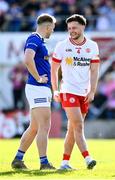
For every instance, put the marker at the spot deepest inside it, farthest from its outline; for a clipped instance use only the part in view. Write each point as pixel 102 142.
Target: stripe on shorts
pixel 40 100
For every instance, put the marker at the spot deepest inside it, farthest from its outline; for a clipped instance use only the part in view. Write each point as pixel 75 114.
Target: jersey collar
pixel 39 36
pixel 77 44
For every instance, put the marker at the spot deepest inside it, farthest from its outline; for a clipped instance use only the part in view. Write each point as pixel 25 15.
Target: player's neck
pixel 40 33
pixel 79 40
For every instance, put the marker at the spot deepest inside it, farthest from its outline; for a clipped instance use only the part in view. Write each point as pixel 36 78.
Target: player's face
pixel 75 29
pixel 50 29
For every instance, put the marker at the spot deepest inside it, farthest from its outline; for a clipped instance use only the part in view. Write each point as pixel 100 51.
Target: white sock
pixel 64 162
pixel 88 159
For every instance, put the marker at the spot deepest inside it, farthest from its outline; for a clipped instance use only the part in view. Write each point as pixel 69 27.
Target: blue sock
pixel 44 160
pixel 19 155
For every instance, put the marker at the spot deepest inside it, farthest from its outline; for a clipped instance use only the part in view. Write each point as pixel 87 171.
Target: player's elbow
pixel 26 61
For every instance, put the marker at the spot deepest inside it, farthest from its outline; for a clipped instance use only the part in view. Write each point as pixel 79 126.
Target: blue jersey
pixel 41 59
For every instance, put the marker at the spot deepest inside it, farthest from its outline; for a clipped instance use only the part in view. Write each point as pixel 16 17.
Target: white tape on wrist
pixel 56 93
pixel 40 80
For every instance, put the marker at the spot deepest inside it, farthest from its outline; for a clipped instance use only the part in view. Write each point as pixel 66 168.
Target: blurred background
pixel 17 21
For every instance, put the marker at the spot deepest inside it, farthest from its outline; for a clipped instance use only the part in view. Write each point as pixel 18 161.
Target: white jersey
pixel 75 62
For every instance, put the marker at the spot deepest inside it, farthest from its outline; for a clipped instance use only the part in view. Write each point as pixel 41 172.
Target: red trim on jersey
pixel 79 44
pixel 95 61
pixel 56 60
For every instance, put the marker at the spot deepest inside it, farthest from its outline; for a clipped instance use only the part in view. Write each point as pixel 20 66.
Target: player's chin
pixel 48 36
pixel 76 37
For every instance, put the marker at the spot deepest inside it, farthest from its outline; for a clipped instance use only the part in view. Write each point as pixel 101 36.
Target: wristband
pixel 40 80
pixel 56 93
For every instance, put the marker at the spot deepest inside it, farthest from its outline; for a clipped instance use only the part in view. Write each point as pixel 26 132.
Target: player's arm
pixel 56 60
pixel 30 64
pixel 54 80
pixel 94 75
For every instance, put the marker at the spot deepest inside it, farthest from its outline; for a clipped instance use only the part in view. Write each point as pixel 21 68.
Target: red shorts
pixel 72 100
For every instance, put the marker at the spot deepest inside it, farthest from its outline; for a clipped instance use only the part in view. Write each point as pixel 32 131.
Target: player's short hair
pixel 43 18
pixel 78 18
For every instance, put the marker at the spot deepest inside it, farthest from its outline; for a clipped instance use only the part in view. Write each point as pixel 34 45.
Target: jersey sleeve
pixel 32 43
pixel 57 54
pixel 95 56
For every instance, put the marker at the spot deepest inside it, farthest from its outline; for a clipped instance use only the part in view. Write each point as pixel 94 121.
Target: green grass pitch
pixel 102 150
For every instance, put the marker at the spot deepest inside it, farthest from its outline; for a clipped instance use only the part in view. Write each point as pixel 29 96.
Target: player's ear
pixel 83 27
pixel 48 27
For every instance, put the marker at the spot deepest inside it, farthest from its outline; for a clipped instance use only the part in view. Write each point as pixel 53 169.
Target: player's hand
pixel 89 97
pixel 43 79
pixel 56 96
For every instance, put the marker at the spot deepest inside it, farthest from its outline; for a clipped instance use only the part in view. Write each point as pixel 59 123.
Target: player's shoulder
pixel 62 43
pixel 91 42
pixel 34 37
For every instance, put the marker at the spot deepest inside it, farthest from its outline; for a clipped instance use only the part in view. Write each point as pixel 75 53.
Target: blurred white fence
pixel 11 52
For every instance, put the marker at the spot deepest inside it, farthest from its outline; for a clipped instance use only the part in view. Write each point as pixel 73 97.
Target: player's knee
pixel 78 126
pixel 33 130
pixel 46 129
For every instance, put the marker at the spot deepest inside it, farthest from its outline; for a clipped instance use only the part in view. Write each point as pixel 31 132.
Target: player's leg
pixel 69 143
pixel 44 121
pixel 25 142
pixel 31 131
pixel 68 147
pixel 29 134
pixel 76 118
pixel 90 163
pixel 69 139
